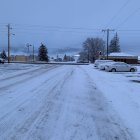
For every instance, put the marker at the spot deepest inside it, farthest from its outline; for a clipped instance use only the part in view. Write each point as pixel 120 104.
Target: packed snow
pixel 69 102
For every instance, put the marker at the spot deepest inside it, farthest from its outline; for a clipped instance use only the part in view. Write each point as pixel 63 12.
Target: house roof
pixel 19 53
pixel 121 54
pixel 77 55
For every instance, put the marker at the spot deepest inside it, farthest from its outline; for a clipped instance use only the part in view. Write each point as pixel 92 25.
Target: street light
pixel 28 45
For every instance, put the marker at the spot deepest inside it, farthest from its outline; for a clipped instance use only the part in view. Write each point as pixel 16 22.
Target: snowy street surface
pixel 52 102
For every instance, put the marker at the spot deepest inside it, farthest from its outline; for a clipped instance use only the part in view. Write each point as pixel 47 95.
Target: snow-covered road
pixel 50 102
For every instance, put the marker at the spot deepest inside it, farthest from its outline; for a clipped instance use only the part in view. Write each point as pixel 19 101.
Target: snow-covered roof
pixel 77 55
pixel 120 54
pixel 19 53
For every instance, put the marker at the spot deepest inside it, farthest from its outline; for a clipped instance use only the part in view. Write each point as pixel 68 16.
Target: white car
pixel 98 62
pixel 102 65
pixel 2 60
pixel 120 66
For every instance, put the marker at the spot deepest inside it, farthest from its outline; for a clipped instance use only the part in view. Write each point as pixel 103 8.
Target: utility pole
pixel 33 53
pixel 9 42
pixel 28 45
pixel 108 31
pixel 9 34
pixel 88 54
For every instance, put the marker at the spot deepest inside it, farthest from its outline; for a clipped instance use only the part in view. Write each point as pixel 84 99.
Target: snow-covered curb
pixel 122 93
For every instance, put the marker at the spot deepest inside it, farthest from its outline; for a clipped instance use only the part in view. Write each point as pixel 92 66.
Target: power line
pixel 54 27
pixel 119 10
pixel 55 30
pixel 63 29
pixel 129 30
pixel 128 17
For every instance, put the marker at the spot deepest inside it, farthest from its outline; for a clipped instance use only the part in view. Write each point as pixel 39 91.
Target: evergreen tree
pixel 65 58
pixel 114 44
pixel 3 54
pixel 43 53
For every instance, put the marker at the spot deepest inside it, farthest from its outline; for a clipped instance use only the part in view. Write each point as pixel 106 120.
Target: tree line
pixel 93 48
pixel 43 55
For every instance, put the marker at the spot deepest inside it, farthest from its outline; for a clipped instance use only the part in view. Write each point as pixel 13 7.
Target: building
pixel 18 58
pixel 23 58
pixel 139 59
pixel 123 57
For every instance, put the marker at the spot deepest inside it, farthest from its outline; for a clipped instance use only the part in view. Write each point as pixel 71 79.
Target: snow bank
pixel 122 93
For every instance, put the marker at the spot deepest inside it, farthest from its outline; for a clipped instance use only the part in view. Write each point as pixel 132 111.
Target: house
pixel 18 58
pixel 139 59
pixel 123 57
pixel 76 57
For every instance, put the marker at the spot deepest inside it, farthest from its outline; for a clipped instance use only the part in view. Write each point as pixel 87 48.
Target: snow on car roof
pixel 109 62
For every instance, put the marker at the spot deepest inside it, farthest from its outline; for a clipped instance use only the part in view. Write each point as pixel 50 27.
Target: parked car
pixel 2 61
pixel 102 65
pixel 120 66
pixel 98 62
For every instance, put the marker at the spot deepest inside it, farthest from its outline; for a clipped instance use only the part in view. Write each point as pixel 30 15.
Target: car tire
pixel 113 70
pixel 132 70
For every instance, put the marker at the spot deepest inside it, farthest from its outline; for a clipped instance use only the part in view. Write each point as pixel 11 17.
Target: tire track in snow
pixel 87 116
pixel 108 124
pixel 72 109
pixel 22 96
pixel 23 78
pixel 75 122
pixel 34 115
pixel 50 115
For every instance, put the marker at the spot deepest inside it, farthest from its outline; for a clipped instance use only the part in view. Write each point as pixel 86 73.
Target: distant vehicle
pixel 2 60
pixel 98 62
pixel 58 60
pixel 120 66
pixel 82 61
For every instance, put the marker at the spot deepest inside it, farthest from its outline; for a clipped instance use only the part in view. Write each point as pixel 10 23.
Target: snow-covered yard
pixel 52 102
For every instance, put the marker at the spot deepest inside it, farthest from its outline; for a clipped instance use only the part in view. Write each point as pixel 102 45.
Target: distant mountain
pixel 63 50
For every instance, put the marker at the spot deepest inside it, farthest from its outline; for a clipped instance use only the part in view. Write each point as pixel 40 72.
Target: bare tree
pixel 92 48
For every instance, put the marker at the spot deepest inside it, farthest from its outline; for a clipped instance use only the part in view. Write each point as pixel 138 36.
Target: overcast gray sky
pixel 67 23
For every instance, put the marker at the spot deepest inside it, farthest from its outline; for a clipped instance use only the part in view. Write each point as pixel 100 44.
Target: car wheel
pixel 132 70
pixel 113 70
